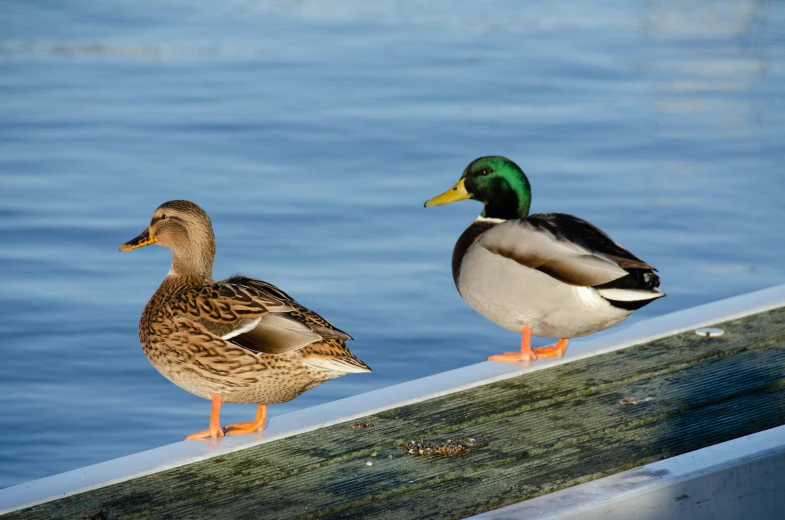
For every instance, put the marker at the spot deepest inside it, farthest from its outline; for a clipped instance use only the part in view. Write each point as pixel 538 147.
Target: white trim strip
pixel 181 453
pixel 742 478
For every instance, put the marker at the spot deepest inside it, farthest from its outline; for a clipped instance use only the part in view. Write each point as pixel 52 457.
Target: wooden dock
pixel 522 435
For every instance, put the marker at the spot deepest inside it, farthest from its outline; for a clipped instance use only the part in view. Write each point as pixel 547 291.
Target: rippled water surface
pixel 312 132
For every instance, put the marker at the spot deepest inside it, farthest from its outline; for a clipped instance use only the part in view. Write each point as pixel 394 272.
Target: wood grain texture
pixel 545 431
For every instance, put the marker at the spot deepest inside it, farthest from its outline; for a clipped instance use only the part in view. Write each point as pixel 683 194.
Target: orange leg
pixel 526 353
pixel 553 350
pixel 215 422
pixel 250 427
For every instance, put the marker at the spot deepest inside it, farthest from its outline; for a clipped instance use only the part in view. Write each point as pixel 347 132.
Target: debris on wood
pixel 624 401
pixel 450 448
pixel 362 425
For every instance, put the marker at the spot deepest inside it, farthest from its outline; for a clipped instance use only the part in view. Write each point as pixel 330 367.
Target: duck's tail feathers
pixel 346 365
pixel 630 299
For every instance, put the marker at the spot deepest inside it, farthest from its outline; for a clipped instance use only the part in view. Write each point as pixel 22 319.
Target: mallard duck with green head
pixel 546 274
pixel 239 340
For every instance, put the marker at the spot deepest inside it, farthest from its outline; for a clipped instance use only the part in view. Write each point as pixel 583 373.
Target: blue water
pixel 312 134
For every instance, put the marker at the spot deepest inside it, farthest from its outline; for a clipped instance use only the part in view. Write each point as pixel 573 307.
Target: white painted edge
pixel 186 452
pixel 602 494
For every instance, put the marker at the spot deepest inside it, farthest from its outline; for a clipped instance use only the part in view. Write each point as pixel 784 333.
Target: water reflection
pixel 701 55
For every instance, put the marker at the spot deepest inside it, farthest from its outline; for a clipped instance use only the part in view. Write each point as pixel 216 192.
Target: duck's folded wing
pixel 246 316
pixel 251 316
pixel 564 247
pixel 299 313
pixel 227 303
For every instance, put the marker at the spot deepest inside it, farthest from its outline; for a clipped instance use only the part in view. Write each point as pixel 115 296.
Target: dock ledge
pixel 539 433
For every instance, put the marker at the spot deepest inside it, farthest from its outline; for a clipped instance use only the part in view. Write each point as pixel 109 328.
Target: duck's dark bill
pixel 144 239
pixel 454 194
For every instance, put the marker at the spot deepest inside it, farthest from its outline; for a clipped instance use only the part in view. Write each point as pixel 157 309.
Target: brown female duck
pixel 239 340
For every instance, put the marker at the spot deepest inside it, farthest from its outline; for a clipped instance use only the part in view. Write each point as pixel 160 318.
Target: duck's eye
pixel 484 171
pixel 163 216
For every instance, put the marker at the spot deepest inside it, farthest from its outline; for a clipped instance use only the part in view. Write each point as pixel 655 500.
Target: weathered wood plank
pixel 542 416
pixel 520 435
pixel 499 485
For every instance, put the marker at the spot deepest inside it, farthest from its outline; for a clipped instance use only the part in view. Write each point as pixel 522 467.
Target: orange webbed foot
pixel 241 428
pixel 514 357
pixel 206 434
pixel 215 429
pixel 526 353
pixel 257 424
pixel 556 350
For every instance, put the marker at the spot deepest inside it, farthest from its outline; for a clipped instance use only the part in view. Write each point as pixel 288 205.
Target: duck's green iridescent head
pixel 495 181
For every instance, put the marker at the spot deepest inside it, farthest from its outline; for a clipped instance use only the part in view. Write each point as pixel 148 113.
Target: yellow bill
pixel 145 238
pixel 454 194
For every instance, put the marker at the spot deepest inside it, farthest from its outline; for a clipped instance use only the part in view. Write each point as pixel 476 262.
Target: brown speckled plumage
pixel 240 338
